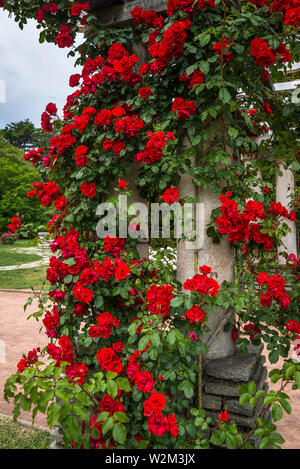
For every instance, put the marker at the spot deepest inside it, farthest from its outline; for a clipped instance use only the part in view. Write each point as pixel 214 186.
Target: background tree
pixel 25 136
pixel 16 178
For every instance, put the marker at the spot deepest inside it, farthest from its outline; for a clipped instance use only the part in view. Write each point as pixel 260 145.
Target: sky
pixel 31 74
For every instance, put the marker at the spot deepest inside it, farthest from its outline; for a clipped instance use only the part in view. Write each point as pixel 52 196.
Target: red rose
pixel 63 40
pixel 195 314
pixel 60 202
pixel 14 224
pixel 144 381
pixel 267 108
pixel 204 269
pixel 292 326
pixel 122 271
pixel 74 80
pixel 292 17
pixel 122 184
pixel 174 430
pixel 51 109
pixel 118 146
pixel 22 365
pixel 40 15
pixel 144 92
pixel 263 54
pixel 109 360
pixel 224 416
pixel 82 293
pixel 155 403
pixel 88 189
pixel 170 195
pixel 118 347
pixel 158 424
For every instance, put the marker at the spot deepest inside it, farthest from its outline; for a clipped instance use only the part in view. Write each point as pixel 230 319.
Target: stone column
pixel 284 191
pixel 220 257
pixel 185 249
pixel 247 158
pixel 143 246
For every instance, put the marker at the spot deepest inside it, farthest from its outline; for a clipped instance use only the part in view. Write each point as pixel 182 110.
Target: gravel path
pixel 20 336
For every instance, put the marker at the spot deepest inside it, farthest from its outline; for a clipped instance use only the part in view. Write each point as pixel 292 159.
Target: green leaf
pixel 121 417
pixel 123 384
pixel 25 403
pixel 53 413
pixel 72 428
pixel 285 405
pixel 171 338
pixel 244 398
pixel 252 387
pixel 155 339
pixel 107 426
pixel 112 388
pixel 119 433
pixel 269 399
pixel 81 411
pixel 143 342
pixel 233 132
pixel 273 356
pixel 217 438
pixel 224 95
pixel 276 412
pixel 99 301
pixel 297 379
pixel 188 390
pixel 177 301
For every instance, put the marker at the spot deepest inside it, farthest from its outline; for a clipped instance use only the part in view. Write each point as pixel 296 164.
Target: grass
pixel 17 436
pixel 16 258
pixel 20 279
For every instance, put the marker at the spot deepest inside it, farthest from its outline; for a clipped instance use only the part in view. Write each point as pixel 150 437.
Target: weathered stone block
pixel 221 388
pixel 233 368
pixel 211 402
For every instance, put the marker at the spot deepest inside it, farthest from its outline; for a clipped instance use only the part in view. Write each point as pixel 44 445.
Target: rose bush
pixel 125 337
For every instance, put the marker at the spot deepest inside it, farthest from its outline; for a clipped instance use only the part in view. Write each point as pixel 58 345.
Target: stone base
pixel 221 381
pixel 57 437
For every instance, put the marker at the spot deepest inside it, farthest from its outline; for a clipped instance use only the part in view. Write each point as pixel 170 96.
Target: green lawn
pixel 20 279
pixel 24 279
pixel 8 257
pixel 16 436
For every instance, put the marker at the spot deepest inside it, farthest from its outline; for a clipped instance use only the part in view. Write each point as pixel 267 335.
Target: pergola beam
pixel 117 12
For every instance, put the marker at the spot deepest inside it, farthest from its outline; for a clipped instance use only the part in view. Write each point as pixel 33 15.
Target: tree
pixel 16 178
pixel 25 136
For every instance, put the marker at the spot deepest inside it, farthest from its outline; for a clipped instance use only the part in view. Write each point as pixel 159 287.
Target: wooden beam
pixel 117 13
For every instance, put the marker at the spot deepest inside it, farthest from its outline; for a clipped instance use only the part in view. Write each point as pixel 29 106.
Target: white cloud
pixel 34 74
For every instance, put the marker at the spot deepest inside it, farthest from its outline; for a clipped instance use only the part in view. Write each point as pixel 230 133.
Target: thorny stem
pixel 261 415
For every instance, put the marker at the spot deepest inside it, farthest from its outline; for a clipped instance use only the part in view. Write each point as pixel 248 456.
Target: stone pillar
pixel 143 246
pixel 247 158
pixel 220 257
pixel 284 190
pixel 185 249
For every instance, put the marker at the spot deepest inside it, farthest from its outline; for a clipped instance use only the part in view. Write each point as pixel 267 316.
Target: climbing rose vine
pixel 125 336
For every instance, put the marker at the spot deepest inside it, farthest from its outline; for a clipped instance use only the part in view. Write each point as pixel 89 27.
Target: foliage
pixel 16 181
pixel 25 136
